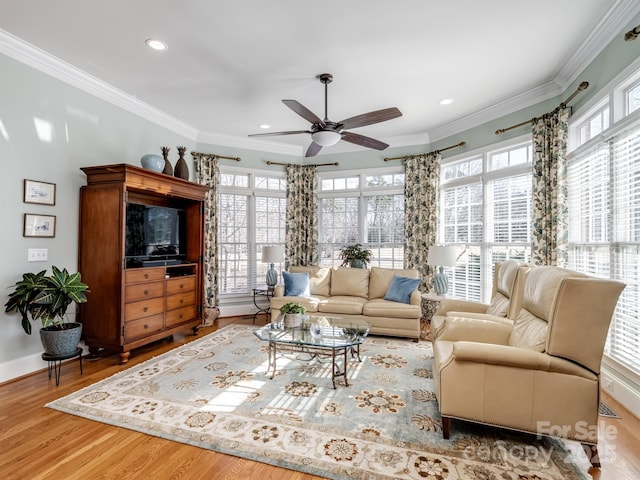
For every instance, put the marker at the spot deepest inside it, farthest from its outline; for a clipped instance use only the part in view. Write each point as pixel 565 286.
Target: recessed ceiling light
pixel 155 44
pixel 265 126
pixel 446 101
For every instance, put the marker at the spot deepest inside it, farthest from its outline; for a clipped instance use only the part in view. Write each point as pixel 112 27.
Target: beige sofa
pixel 541 374
pixel 357 293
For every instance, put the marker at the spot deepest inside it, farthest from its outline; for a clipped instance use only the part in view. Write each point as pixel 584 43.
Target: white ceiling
pixel 229 64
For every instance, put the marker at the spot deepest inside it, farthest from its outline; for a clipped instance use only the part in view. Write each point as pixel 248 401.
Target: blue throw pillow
pixel 401 288
pixel 296 284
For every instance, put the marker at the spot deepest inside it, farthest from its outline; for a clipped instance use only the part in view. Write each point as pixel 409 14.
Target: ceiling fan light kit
pixel 325 133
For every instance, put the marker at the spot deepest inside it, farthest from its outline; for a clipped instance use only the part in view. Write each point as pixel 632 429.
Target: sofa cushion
pixel 309 303
pixel 380 279
pixel 401 288
pixel 342 304
pixel 296 284
pixel 319 278
pixel 379 307
pixel 352 282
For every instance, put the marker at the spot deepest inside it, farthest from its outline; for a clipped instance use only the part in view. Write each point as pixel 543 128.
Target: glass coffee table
pixel 330 338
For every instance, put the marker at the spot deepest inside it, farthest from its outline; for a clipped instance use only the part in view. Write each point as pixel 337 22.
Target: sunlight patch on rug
pixel 214 393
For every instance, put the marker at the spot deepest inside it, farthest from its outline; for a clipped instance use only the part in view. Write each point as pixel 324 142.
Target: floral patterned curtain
pixel 549 217
pixel 301 238
pixel 421 192
pixel 207 172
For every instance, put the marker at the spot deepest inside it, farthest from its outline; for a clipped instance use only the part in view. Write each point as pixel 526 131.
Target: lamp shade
pixel 272 254
pixel 442 256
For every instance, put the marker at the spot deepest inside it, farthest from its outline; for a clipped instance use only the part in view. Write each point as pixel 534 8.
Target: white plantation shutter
pixel 604 231
pixel 624 334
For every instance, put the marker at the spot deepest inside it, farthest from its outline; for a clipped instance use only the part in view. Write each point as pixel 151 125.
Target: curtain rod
pixel 334 164
pixel 581 87
pixel 235 159
pixel 461 144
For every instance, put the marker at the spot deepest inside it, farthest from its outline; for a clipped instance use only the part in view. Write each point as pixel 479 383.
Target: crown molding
pixel 249 143
pixel 505 107
pixel 36 58
pixel 607 29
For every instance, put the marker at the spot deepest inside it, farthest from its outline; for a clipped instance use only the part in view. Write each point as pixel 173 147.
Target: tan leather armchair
pixel 504 304
pixel 539 375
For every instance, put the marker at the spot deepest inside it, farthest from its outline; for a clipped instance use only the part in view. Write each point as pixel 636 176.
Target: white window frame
pixel 256 268
pixel 484 177
pixel 362 192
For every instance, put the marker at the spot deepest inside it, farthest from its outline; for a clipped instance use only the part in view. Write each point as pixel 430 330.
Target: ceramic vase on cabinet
pixel 151 161
pixel 168 168
pixel 182 169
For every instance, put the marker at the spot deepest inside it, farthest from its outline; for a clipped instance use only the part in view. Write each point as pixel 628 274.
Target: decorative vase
pixel 151 161
pixel 61 341
pixel 182 169
pixel 168 168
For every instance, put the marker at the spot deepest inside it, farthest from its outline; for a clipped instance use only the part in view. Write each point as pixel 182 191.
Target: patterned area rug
pixel 213 393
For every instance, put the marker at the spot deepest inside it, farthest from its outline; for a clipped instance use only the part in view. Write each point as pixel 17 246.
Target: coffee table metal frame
pixel 318 337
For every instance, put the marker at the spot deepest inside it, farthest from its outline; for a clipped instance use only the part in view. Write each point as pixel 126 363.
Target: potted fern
pixel 355 256
pixel 43 297
pixel 292 313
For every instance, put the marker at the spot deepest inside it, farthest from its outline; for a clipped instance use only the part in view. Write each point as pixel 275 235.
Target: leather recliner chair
pixel 505 302
pixel 541 374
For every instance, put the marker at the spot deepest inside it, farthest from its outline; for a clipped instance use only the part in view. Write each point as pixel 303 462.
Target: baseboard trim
pixel 21 367
pixel 622 389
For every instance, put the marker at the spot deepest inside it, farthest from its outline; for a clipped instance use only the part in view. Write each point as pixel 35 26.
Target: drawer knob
pixel 146 326
pixel 181 300
pixel 146 292
pixel 146 276
pixel 181 285
pixel 145 309
pixel 181 315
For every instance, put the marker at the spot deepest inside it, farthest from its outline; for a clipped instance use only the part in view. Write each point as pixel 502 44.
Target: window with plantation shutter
pixel 485 204
pixel 604 231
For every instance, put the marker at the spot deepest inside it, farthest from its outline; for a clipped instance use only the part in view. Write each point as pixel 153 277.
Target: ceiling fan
pixel 325 133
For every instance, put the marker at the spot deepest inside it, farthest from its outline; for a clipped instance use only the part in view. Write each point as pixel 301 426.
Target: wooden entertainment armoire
pixel 133 304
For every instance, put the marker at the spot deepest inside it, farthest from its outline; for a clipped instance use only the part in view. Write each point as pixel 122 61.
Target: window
pixel 360 208
pixel 485 204
pixel 604 216
pixel 251 214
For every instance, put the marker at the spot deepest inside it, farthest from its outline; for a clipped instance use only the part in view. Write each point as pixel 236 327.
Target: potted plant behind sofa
pixel 292 314
pixel 355 256
pixel 46 298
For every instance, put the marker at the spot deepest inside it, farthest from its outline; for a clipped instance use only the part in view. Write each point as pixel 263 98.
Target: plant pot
pixel 61 341
pixel 356 263
pixel 292 320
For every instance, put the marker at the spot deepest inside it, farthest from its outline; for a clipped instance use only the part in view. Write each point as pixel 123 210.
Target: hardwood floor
pixel 40 443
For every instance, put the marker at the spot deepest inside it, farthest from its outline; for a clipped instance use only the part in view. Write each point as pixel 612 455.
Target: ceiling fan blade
pixel 303 111
pixel 364 141
pixel 313 150
pixel 271 134
pixel 371 118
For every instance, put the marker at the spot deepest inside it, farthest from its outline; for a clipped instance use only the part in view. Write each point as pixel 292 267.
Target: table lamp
pixel 272 254
pixel 441 256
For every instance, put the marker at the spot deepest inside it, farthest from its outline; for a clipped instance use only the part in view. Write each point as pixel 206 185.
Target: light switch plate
pixel 37 254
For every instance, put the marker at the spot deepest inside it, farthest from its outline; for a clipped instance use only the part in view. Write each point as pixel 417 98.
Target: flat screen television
pixel 155 235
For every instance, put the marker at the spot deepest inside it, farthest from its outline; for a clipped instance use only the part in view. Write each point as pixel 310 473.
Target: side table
pixel 430 305
pixel 264 291
pixel 54 363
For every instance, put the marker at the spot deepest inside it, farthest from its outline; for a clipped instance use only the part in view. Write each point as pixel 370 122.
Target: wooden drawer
pixel 138 275
pixel 143 326
pixel 181 300
pixel 180 315
pixel 143 308
pixel 140 291
pixel 181 284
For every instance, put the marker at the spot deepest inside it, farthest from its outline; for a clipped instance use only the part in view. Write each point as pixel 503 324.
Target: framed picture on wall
pixel 43 193
pixel 39 225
